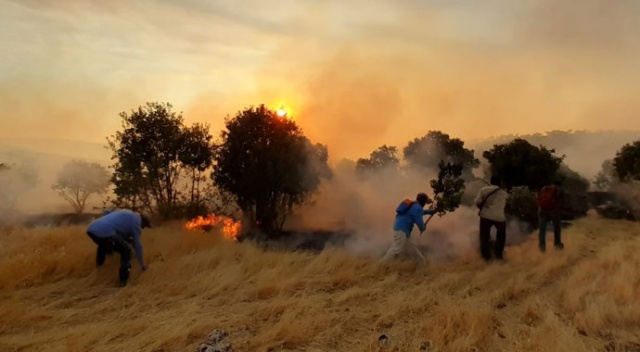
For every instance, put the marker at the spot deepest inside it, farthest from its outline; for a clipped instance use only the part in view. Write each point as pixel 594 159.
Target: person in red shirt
pixel 549 210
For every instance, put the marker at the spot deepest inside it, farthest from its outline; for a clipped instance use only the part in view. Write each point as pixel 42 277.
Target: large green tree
pixel 268 165
pixel 519 163
pixel 197 157
pixel 627 162
pixel 78 180
pixel 151 153
pixel 428 151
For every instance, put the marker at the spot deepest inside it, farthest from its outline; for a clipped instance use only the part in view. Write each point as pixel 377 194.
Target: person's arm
pixel 479 199
pixel 418 220
pixel 137 245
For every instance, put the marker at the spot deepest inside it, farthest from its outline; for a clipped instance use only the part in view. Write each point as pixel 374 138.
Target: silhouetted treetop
pixel 435 146
pixel 268 165
pixel 519 163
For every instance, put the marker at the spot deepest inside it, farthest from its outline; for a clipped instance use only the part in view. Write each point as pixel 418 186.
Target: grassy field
pixel 584 298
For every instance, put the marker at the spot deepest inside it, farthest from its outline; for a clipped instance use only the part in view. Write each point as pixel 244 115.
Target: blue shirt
pixel 122 223
pixel 404 222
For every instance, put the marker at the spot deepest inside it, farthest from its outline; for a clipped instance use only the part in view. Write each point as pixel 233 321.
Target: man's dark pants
pixel 544 217
pixel 114 244
pixel 485 238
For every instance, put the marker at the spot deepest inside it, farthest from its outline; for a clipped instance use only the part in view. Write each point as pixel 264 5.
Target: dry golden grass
pixel 584 298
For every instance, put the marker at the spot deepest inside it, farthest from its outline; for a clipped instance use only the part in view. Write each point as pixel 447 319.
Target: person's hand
pixel 144 267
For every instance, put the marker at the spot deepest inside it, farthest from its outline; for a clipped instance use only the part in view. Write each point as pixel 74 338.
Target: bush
pixel 522 205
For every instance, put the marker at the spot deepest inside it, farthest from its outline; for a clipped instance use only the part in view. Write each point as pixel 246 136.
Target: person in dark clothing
pixel 117 231
pixel 491 201
pixel 549 210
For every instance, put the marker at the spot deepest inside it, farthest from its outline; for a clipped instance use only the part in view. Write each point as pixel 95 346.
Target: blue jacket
pixel 404 222
pixel 122 223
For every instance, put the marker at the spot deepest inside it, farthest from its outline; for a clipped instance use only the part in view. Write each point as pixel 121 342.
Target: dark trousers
pixel 485 238
pixel 544 217
pixel 107 246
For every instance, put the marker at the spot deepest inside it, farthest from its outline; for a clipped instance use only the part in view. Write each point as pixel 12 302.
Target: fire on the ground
pixel 230 228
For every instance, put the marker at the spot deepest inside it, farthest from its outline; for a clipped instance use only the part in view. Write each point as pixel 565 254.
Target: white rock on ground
pixel 216 342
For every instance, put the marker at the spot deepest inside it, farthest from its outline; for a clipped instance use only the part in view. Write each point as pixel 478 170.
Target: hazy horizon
pixel 354 75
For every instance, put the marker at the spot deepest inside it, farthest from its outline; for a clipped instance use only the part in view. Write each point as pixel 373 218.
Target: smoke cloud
pixel 365 207
pixel 355 74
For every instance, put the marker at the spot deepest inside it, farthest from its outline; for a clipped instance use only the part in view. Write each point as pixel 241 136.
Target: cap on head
pixel 422 198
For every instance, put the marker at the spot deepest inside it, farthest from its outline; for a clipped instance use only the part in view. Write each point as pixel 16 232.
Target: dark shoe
pixel 123 283
pixel 559 245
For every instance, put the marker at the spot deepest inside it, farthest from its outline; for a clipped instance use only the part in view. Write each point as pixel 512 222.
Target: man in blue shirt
pixel 116 231
pixel 408 215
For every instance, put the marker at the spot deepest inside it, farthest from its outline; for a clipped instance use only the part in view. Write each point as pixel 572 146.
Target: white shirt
pixel 494 207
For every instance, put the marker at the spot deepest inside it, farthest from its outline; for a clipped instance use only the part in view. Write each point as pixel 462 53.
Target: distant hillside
pixel 67 149
pixel 45 158
pixel 584 150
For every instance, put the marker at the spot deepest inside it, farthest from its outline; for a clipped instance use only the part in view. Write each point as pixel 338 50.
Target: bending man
pixel 116 231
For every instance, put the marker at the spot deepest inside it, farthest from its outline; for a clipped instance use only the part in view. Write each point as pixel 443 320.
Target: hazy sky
pixel 355 73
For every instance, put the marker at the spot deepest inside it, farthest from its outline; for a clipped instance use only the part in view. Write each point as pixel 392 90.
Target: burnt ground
pixel 310 240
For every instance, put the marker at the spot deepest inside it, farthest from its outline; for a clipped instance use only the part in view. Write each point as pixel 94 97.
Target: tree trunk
pixel 193 186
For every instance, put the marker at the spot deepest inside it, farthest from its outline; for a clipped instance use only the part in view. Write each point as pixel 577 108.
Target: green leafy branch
pixel 448 189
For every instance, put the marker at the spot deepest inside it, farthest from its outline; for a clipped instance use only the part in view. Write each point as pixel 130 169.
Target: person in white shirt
pixel 491 201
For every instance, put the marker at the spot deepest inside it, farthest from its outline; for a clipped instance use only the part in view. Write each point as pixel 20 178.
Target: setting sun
pixel 283 110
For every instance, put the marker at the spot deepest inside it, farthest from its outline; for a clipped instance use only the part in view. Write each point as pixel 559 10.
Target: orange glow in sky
pixel 472 70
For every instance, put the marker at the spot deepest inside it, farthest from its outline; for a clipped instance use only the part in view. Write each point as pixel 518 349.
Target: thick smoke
pixel 365 207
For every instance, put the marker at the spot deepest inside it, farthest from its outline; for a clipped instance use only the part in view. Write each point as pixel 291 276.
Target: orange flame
pixel 230 228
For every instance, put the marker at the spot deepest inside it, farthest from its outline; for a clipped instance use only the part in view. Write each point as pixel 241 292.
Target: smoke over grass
pixel 365 208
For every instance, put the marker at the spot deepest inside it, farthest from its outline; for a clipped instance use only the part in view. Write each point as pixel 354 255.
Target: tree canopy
pixel 627 162
pixel 267 164
pixel 519 163
pixel 606 177
pixel 448 188
pixel 428 151
pixel 151 152
pixel 385 157
pixel 78 180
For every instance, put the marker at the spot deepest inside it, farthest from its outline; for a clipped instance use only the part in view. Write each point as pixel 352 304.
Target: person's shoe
pixel 542 249
pixel 123 283
pixel 559 245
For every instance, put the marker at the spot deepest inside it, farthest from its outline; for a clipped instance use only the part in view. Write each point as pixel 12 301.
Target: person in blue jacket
pixel 117 231
pixel 408 214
